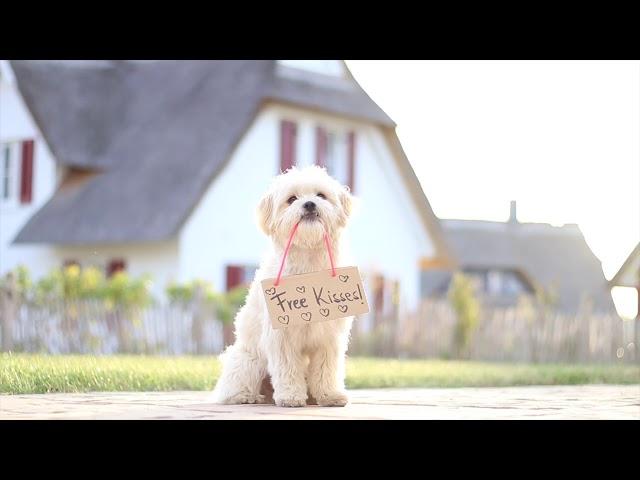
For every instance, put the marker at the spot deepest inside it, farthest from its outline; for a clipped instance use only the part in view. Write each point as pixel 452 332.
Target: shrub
pixel 74 283
pixel 467 308
pixel 225 304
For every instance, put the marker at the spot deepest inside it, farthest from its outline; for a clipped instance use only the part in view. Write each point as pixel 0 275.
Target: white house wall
pixel 387 236
pixel 222 229
pixel 16 124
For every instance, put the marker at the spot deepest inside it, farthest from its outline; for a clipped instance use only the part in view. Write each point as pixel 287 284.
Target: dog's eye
pixel 292 199
pixel 322 195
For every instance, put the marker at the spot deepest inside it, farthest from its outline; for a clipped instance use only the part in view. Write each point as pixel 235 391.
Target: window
pixel 494 282
pixel 507 283
pixel 115 266
pixel 7 172
pixel 10 172
pixel 287 145
pixel 238 275
pixel 336 151
pixel 26 179
pixel 16 172
pixel 514 285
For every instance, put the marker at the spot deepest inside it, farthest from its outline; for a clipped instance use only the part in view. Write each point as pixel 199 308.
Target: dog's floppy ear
pixel 346 205
pixel 265 212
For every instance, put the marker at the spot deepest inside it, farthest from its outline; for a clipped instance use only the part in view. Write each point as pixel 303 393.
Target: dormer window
pixel 499 282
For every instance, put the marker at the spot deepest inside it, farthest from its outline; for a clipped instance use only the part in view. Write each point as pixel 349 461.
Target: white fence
pixel 507 334
pixel 88 326
pixel 503 334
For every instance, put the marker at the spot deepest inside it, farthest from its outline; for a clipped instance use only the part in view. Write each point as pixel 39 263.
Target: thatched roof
pixel 158 133
pixel 552 258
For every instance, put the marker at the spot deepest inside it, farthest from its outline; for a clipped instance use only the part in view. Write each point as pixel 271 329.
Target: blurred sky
pixel 560 137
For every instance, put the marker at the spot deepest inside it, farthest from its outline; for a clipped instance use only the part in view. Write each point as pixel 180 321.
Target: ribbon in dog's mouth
pixel 315 296
pixel 310 217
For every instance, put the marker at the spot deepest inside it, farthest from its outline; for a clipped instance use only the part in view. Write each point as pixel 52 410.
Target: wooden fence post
pixel 636 326
pixel 198 319
pixel 8 310
pixel 636 334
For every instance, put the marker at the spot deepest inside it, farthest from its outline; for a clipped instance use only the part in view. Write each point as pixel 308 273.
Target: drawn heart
pixel 300 289
pixel 306 316
pixel 284 319
pixel 344 278
pixel 324 312
pixel 342 308
pixel 270 291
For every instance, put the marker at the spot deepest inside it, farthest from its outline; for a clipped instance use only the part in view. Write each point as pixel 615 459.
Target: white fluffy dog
pixel 303 361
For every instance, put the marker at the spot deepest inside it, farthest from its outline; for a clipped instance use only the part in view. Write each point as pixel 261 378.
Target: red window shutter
pixel 351 152
pixel 287 145
pixel 235 276
pixel 321 147
pixel 116 266
pixel 26 179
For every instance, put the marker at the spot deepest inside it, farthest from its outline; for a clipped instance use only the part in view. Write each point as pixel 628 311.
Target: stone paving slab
pixel 555 402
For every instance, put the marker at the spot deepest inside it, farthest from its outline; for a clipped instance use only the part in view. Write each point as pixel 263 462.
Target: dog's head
pixel 309 196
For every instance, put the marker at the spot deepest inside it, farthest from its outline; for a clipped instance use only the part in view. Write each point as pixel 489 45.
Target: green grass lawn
pixel 22 373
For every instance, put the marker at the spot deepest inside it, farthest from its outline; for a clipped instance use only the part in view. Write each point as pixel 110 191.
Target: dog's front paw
pixel 255 399
pixel 291 401
pixel 241 399
pixel 333 399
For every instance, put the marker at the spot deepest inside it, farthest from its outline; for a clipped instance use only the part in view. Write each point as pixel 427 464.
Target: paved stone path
pixel 557 402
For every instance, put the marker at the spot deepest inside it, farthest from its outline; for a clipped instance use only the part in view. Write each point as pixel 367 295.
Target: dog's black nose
pixel 309 206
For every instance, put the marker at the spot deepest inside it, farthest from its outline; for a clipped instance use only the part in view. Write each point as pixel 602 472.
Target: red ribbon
pixel 286 252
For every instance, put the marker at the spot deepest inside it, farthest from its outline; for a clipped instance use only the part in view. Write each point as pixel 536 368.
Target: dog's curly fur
pixel 304 362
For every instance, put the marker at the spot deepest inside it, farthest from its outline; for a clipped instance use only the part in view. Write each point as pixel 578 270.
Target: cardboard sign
pixel 315 297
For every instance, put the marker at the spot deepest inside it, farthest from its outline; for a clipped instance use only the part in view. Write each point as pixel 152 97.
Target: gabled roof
pixel 629 273
pixel 158 132
pixel 551 258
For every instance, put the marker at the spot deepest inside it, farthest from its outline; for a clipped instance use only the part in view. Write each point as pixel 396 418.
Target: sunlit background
pixel 128 193
pixel 562 138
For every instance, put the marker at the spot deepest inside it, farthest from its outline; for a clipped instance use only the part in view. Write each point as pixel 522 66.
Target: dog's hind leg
pixel 242 373
pixel 267 389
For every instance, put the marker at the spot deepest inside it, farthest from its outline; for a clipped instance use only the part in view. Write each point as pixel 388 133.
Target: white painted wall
pixel 222 228
pixel 386 234
pixel 16 124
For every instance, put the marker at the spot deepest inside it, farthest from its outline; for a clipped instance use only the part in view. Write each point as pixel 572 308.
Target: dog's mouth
pixel 310 216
